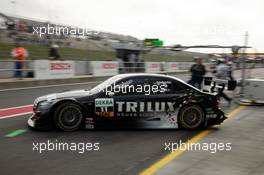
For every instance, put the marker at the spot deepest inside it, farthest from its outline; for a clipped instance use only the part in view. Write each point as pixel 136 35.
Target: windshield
pixel 102 86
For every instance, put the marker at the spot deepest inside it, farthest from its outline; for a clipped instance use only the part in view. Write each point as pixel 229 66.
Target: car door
pixel 165 101
pixel 128 98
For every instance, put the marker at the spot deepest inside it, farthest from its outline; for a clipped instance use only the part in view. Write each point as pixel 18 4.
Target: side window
pixel 130 86
pixel 177 87
pixel 147 85
pixel 168 86
pixel 159 85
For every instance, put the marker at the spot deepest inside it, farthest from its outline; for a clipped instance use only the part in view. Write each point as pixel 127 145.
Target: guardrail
pixel 47 69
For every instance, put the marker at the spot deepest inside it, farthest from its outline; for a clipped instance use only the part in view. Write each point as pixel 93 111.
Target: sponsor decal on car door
pixel 104 107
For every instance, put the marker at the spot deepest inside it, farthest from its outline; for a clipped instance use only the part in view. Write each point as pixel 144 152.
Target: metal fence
pixel 7 67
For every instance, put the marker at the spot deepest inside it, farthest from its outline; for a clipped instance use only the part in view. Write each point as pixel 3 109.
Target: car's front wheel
pixel 191 117
pixel 68 116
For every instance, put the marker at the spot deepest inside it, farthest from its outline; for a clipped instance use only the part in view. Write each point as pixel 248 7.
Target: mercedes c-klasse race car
pixel 129 100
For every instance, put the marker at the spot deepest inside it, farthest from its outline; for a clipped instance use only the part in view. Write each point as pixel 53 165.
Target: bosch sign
pixel 109 66
pixel 60 66
pixel 104 68
pixel 46 69
pixel 153 67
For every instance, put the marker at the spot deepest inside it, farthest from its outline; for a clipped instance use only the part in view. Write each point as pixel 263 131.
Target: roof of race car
pixel 154 75
pixel 148 74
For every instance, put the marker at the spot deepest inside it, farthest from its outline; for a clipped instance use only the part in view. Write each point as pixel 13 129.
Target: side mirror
pixel 111 94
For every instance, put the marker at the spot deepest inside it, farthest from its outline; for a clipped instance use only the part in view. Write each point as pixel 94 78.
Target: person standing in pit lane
pixel 223 72
pixel 230 72
pixel 197 72
pixel 19 55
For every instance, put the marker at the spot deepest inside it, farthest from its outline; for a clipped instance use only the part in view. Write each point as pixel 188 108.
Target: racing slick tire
pixel 68 116
pixel 191 117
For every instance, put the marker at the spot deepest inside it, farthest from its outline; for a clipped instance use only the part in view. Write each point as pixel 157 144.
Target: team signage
pixel 46 69
pixel 104 68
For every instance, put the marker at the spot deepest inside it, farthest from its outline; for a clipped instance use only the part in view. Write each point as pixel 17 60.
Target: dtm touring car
pixel 129 100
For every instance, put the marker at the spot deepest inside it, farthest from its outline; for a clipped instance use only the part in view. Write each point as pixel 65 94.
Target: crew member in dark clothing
pixel 198 71
pixel 53 52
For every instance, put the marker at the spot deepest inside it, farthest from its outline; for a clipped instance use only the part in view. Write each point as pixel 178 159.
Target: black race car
pixel 129 101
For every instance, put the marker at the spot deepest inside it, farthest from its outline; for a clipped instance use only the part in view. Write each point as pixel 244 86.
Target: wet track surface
pixel 121 151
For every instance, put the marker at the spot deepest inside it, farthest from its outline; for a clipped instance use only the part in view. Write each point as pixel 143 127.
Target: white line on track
pixel 24 106
pixel 47 86
pixel 15 115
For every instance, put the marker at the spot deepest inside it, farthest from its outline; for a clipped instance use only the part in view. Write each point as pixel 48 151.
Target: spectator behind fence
pixel 53 52
pixel 197 72
pixel 19 55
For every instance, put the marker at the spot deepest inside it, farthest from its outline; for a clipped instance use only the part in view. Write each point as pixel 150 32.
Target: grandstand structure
pixel 13 28
pixel 97 45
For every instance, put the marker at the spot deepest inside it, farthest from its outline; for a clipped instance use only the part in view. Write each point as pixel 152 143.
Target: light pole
pixel 243 72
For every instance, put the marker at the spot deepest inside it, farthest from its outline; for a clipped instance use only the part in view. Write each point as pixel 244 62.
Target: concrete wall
pixel 11 65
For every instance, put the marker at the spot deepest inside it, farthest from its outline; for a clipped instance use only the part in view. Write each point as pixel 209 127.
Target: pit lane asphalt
pixel 121 152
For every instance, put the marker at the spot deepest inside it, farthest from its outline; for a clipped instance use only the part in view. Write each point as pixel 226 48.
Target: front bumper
pixel 39 122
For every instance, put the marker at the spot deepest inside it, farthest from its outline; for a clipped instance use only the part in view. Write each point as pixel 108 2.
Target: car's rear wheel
pixel 68 116
pixel 191 117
